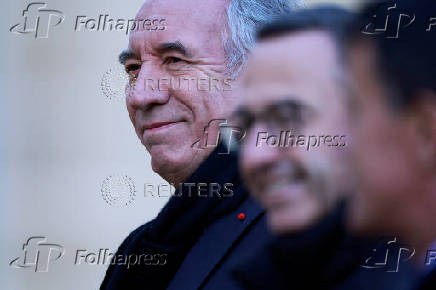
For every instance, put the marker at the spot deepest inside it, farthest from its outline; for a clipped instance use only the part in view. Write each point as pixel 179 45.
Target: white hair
pixel 244 17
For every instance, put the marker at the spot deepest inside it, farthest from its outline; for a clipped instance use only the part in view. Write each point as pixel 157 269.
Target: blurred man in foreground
pixel 294 156
pixel 394 102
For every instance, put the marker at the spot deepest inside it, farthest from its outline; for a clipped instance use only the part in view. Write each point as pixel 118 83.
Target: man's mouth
pixel 281 192
pixel 158 126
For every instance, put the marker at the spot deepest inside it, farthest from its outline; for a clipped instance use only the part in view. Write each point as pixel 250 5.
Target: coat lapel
pixel 216 241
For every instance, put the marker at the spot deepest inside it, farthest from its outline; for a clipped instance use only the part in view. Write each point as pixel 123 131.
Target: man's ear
pixel 423 113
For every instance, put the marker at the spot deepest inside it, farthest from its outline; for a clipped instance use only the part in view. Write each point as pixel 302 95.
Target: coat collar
pixel 215 243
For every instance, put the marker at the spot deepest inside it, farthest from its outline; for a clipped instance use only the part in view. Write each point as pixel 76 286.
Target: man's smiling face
pixel 169 119
pixel 293 83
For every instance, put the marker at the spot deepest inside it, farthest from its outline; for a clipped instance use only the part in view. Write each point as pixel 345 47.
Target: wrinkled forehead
pixel 197 23
pixel 207 15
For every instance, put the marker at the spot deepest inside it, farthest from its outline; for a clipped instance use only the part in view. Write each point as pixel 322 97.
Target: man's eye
pixel 288 115
pixel 244 122
pixel 170 60
pixel 132 67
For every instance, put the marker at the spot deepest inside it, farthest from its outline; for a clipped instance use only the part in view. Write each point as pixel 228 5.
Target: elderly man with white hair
pixel 211 221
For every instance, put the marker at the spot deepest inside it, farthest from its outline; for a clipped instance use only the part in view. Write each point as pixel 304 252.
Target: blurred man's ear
pixel 423 113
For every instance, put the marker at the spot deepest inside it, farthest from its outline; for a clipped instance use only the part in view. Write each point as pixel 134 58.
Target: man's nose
pixel 256 153
pixel 150 88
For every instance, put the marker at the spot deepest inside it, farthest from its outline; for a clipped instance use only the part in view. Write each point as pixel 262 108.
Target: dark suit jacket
pixel 198 236
pixel 427 281
pixel 323 257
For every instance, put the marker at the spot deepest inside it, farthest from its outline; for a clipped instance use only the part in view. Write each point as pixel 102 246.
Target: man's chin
pixel 174 161
pixel 362 220
pixel 165 158
pixel 287 220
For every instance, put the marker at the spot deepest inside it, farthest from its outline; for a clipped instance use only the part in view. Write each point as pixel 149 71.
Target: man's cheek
pixel 249 181
pixel 132 117
pixel 131 112
pixel 181 136
pixel 318 166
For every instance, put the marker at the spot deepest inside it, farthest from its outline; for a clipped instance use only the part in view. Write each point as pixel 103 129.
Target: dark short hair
pixel 406 64
pixel 330 18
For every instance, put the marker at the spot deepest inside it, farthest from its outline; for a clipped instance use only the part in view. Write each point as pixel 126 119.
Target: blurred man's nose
pixel 258 154
pixel 151 88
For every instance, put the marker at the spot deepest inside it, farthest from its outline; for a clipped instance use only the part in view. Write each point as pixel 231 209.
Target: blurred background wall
pixel 60 138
